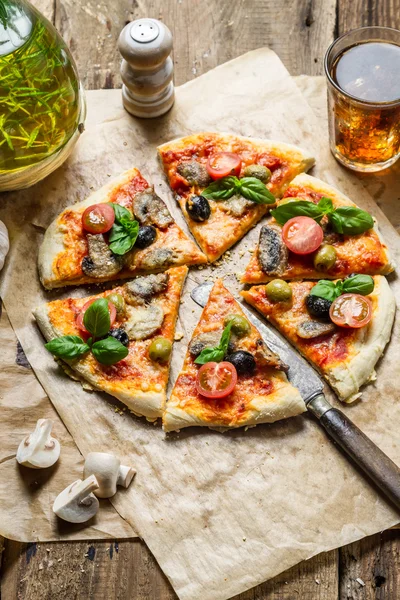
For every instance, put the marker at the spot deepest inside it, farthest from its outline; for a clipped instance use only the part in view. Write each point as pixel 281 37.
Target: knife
pixel 375 464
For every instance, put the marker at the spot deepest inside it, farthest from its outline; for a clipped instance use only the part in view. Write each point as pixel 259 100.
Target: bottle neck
pixel 16 24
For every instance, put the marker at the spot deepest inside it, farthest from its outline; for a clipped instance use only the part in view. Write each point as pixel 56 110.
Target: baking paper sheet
pixel 220 512
pixel 27 495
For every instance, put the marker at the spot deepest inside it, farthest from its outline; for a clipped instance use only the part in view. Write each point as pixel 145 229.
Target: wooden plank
pixel 369 569
pixel 360 13
pixel 206 34
pixel 125 570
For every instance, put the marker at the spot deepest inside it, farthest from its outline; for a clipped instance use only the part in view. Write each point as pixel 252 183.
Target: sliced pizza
pixel 316 232
pixel 224 183
pixel 229 377
pixel 341 327
pixel 119 231
pixel 120 341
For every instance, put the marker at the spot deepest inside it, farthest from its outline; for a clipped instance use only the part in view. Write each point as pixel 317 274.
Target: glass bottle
pixel 42 105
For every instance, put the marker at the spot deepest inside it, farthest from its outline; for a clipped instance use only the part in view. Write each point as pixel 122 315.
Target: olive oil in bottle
pixel 40 100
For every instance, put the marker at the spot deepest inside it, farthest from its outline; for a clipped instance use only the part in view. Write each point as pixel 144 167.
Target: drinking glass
pixel 365 131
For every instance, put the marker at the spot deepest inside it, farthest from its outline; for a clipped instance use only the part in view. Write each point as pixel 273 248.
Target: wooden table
pixel 206 33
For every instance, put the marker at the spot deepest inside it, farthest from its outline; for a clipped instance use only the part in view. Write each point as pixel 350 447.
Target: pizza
pixel 224 183
pixel 119 231
pixel 339 331
pixel 229 377
pixel 120 341
pixel 316 232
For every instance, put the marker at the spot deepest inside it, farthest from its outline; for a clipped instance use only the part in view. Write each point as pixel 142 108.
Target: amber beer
pixel 363 71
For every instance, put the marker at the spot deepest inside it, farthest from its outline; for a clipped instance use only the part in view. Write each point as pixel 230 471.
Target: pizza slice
pixel 224 183
pixel 119 231
pixel 229 377
pixel 120 341
pixel 340 327
pixel 316 232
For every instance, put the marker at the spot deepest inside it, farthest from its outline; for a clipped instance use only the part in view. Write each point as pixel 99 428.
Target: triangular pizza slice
pixel 127 356
pixel 345 355
pixel 316 232
pixel 229 377
pixel 225 183
pixel 119 231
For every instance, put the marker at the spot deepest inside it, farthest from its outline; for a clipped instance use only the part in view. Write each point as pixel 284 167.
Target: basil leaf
pixel 327 289
pixel 67 346
pixel 210 355
pixel 225 337
pixel 255 190
pixel 350 220
pixel 109 351
pixel 222 189
pixel 97 318
pixel 120 212
pixel 117 232
pixel 286 211
pixel 217 353
pixel 359 284
pixel 326 205
pixel 123 235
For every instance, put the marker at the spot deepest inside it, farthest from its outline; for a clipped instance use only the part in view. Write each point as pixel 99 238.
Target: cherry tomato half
pixel 98 218
pixel 79 318
pixel 223 164
pixel 351 310
pixel 302 235
pixel 216 380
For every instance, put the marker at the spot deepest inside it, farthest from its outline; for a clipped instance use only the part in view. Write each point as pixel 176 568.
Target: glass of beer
pixel 363 72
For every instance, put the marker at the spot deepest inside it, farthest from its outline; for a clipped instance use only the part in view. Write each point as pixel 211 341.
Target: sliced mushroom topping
pixel 158 259
pixel 267 358
pixel 272 252
pixel 236 205
pixel 142 289
pixel 311 329
pixel 194 172
pixel 100 262
pixel 208 339
pixel 144 321
pixel 149 209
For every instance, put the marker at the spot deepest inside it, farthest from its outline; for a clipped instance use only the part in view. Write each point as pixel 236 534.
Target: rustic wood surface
pixel 206 33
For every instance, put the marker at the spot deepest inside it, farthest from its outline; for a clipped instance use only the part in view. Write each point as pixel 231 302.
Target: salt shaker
pixel 146 69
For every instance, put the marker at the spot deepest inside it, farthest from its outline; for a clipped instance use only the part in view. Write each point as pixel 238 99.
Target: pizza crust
pixel 284 403
pixel 369 345
pixel 53 243
pixel 148 404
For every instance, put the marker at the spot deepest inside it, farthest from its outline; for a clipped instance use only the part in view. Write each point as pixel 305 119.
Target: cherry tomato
pixel 351 310
pixel 302 235
pixel 223 164
pixel 98 218
pixel 216 380
pixel 79 318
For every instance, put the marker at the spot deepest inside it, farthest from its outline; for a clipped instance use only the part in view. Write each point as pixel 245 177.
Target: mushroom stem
pixel 125 475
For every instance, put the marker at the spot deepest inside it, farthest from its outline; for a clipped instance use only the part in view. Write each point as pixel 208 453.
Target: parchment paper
pixel 220 512
pixel 26 495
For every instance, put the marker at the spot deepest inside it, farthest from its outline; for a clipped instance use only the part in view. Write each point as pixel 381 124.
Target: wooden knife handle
pixel 375 463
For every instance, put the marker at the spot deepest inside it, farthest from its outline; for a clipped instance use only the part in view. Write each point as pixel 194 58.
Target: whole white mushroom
pixel 4 244
pixel 109 473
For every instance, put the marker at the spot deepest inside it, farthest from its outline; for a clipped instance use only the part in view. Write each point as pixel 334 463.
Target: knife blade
pixel 374 463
